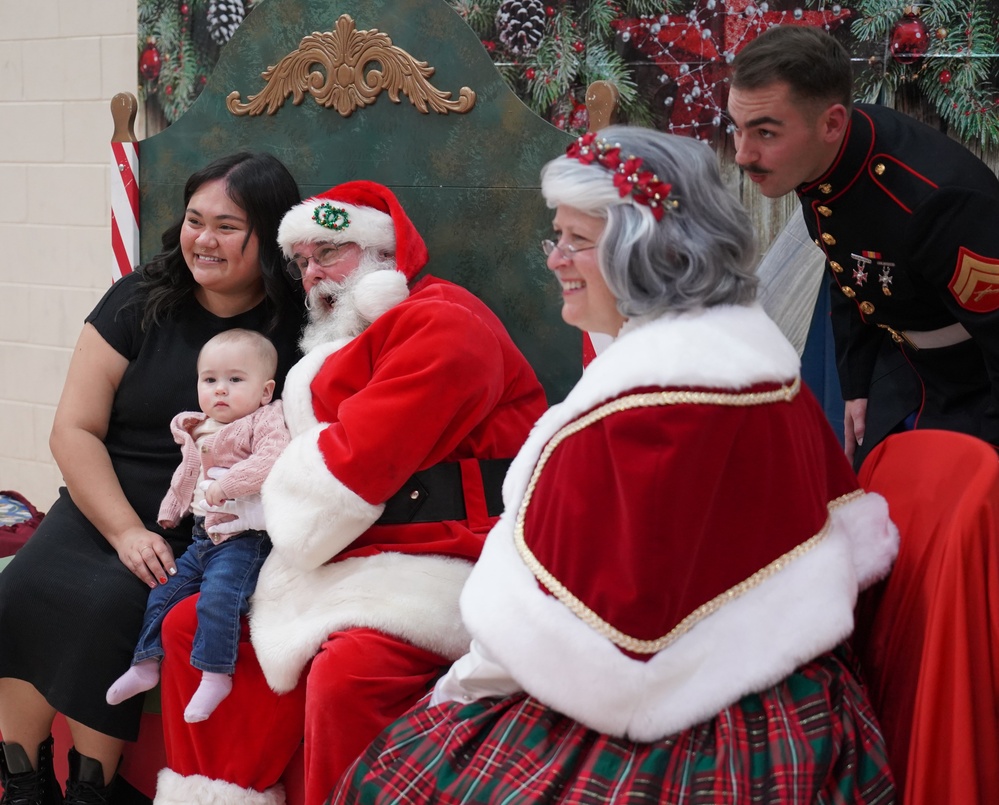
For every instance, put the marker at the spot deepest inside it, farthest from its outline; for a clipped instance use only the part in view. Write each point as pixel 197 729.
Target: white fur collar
pixel 723 347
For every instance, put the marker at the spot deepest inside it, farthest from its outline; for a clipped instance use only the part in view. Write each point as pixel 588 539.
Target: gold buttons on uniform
pixel 866 308
pixel 818 243
pixel 835 266
pixel 828 239
pixel 879 168
pixel 824 210
pixel 848 291
pixel 825 188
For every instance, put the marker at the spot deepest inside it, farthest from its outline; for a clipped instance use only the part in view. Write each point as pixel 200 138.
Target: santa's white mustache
pixel 328 290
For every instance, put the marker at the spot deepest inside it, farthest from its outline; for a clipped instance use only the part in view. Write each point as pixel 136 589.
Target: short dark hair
pixel 809 60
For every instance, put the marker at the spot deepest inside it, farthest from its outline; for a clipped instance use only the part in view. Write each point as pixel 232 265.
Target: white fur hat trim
pixel 367 227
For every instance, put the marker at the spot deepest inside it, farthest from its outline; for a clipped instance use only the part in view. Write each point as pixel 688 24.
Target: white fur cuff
pixel 175 789
pixel 311 516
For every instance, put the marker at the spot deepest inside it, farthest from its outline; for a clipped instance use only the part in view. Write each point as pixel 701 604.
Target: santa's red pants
pixel 360 681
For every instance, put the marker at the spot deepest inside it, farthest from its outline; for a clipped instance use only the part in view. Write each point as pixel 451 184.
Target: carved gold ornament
pixel 344 53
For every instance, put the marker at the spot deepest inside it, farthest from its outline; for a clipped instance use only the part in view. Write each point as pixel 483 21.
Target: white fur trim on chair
pixel 175 789
pixel 311 516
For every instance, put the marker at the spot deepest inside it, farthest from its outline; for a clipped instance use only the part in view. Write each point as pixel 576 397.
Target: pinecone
pixel 521 25
pixel 224 17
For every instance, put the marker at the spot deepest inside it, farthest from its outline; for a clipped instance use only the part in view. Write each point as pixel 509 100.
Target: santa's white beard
pixel 332 306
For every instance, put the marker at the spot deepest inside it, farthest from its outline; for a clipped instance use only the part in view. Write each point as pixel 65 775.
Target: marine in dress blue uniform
pixel 909 223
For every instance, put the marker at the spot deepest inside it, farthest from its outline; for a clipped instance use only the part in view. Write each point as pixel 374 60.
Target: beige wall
pixel 61 62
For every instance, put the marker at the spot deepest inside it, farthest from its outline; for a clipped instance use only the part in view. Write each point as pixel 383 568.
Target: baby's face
pixel 231 382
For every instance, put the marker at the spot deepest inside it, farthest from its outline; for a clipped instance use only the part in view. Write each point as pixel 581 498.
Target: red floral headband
pixel 645 187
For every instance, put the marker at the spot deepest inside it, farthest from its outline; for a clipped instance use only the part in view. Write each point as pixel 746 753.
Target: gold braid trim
pixel 587 615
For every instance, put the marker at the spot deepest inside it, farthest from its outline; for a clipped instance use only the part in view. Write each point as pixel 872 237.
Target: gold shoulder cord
pixel 577 607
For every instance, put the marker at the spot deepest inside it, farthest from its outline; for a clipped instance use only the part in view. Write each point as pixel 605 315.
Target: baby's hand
pixel 214 494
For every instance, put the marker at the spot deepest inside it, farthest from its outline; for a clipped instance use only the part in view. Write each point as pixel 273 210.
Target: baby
pixel 241 432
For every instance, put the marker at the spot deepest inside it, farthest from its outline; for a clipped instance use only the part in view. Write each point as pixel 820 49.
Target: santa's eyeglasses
pixel 325 255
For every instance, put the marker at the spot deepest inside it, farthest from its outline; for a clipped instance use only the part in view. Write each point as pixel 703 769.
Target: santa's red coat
pixel 436 378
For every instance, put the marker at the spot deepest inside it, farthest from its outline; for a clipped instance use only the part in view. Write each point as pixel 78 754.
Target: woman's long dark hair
pixel 265 190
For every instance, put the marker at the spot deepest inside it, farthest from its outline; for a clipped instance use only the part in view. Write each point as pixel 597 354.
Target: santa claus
pixel 405 410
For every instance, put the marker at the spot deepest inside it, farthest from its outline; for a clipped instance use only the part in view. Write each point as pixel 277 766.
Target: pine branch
pixel 603 64
pixel 598 16
pixel 479 14
pixel 650 8
pixel 876 19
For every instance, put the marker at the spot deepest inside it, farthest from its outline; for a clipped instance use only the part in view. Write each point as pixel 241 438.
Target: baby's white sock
pixel 139 678
pixel 212 690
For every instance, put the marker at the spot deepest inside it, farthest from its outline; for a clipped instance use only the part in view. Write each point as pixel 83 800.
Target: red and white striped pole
pixel 124 186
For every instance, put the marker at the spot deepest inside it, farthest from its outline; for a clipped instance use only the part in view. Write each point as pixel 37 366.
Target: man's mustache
pixel 330 290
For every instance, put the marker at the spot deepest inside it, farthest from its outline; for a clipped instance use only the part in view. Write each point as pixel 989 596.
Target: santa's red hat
pixel 365 213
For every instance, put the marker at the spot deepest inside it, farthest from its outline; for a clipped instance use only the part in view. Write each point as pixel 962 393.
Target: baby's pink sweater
pixel 247 447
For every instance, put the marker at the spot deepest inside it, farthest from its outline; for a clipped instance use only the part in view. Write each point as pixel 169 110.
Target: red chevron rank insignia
pixel 975 284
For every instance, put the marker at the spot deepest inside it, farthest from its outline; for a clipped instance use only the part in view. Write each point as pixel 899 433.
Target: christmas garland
pixel 947 49
pixel 668 58
pixel 179 43
pixel 550 51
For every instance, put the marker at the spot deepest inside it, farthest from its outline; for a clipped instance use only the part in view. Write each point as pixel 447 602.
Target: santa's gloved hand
pixel 249 509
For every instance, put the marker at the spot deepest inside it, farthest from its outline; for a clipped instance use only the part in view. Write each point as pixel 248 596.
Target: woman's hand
pixel 146 554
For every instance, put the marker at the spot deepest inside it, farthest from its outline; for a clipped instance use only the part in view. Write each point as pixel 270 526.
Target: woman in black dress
pixel 72 599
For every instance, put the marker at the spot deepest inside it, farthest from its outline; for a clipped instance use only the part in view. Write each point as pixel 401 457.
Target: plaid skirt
pixel 812 738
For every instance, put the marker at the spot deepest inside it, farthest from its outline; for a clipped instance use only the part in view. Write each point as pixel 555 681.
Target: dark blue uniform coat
pixel 909 222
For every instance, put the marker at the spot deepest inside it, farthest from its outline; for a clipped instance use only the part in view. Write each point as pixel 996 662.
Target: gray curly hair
pixel 701 253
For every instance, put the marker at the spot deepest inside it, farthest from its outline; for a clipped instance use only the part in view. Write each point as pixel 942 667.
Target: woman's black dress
pixel 70 611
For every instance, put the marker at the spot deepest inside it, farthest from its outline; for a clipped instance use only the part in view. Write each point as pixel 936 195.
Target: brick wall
pixel 61 62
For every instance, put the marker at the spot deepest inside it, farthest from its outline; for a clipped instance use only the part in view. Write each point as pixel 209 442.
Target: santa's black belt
pixel 436 494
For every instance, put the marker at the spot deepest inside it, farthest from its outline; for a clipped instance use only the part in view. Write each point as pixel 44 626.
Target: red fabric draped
pixel 928 637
